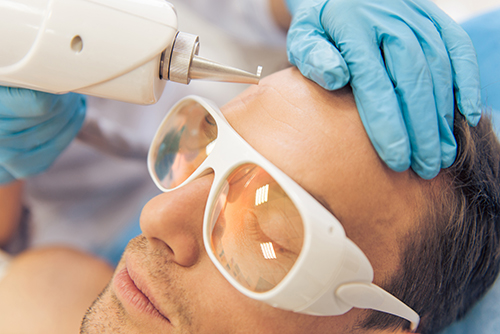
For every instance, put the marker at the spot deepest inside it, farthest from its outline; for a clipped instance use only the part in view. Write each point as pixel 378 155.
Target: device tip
pixel 181 63
pixel 259 71
pixel 202 68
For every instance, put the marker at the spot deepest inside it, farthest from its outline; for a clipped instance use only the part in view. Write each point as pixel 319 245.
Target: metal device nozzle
pixel 181 63
pixel 206 69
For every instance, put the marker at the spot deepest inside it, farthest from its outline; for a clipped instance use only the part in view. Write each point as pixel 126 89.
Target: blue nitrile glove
pixel 402 57
pixel 34 128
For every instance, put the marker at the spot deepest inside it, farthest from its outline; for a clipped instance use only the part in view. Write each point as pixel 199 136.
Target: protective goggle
pixel 267 236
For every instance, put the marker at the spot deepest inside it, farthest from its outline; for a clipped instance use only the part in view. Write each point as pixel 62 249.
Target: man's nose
pixel 176 219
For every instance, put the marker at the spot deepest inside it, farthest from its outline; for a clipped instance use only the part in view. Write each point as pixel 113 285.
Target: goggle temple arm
pixel 370 296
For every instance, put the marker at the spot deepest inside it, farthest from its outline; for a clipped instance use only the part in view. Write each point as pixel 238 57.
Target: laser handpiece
pixel 123 50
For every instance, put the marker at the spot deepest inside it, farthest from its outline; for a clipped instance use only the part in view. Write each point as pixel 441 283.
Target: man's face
pixel 317 138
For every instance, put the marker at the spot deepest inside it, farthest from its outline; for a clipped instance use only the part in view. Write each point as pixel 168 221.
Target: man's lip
pixel 142 286
pixel 135 296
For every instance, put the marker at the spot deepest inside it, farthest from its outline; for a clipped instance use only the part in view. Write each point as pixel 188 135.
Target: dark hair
pixel 452 257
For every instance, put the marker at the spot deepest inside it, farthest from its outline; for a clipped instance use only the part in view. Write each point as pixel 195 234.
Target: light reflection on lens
pixel 261 195
pixel 257 232
pixel 268 250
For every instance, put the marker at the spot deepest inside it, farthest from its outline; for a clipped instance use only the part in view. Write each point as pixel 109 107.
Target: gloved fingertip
pixel 336 78
pixel 427 172
pixel 473 120
pixel 447 162
pixel 397 166
pixel 332 74
pixel 331 79
pixel 398 161
pixel 427 164
pixel 470 105
pixel 431 156
pixel 395 153
pixel 471 111
pixel 448 154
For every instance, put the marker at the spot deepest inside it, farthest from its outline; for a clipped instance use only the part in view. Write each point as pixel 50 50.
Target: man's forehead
pixel 309 133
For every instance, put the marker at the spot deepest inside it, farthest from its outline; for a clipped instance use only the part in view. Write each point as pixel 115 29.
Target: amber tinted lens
pixel 185 141
pixel 257 232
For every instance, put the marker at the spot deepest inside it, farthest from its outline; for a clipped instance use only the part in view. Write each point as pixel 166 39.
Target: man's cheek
pixel 219 306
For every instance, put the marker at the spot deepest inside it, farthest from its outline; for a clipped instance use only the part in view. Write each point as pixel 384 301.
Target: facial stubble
pixel 103 316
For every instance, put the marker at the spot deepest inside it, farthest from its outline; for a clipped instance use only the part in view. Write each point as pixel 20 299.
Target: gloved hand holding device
pixel 35 128
pixel 402 58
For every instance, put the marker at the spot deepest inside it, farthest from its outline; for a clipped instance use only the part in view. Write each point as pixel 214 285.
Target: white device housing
pixel 105 48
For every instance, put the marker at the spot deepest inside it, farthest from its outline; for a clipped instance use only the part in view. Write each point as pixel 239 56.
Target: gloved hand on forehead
pixel 35 128
pixel 403 59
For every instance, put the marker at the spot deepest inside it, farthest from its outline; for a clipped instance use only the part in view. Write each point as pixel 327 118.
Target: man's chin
pixel 105 315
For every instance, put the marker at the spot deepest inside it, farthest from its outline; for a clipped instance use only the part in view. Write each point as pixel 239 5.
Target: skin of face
pixel 317 138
